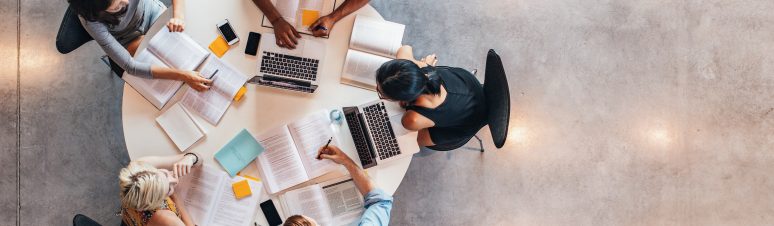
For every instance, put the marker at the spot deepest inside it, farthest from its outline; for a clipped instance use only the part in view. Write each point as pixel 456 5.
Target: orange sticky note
pixel 219 46
pixel 309 16
pixel 241 189
pixel 240 94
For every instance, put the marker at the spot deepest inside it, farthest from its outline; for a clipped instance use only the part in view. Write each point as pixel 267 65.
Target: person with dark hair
pixel 119 27
pixel 377 204
pixel 445 104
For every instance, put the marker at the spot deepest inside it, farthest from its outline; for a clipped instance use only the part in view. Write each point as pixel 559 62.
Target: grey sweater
pixel 139 17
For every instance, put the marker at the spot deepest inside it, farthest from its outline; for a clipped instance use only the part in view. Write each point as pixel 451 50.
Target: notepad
pixel 219 46
pixel 309 16
pixel 239 152
pixel 180 127
pixel 241 189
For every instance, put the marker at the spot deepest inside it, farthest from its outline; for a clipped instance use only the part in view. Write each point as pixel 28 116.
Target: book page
pixel 177 49
pixel 376 36
pixel 230 211
pixel 310 134
pixel 345 202
pixel 288 9
pixel 280 165
pixel 309 201
pixel 213 103
pixel 360 69
pixel 156 91
pixel 199 191
pixel 180 127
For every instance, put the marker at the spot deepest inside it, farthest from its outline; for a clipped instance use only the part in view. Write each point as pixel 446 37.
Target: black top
pixel 462 113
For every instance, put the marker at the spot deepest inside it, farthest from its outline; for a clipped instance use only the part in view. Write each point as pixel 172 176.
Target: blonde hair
pixel 141 187
pixel 297 220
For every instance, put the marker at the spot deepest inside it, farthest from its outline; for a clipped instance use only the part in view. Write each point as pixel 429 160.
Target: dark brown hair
pixel 94 10
pixel 297 220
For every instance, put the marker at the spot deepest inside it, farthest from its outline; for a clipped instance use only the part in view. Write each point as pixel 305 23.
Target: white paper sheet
pixel 210 201
pixel 309 201
pixel 156 91
pixel 180 127
pixel 280 165
pixel 310 134
pixel 212 104
pixel 177 50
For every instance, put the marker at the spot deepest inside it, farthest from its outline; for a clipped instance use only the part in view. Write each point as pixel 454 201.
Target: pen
pixel 214 73
pixel 326 146
pixel 320 27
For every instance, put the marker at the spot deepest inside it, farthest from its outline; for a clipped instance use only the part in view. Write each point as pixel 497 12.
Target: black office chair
pixel 498 103
pixel 72 35
pixel 81 220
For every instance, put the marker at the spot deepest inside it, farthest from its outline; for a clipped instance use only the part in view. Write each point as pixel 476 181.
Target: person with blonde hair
pixel 147 188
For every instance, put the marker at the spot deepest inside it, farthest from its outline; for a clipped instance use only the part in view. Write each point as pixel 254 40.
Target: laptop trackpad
pixel 397 127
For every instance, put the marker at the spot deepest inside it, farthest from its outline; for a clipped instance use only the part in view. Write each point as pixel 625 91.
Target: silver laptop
pixel 292 69
pixel 375 134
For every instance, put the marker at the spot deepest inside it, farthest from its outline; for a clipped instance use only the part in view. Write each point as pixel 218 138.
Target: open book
pixel 166 49
pixel 213 103
pixel 301 13
pixel 373 42
pixel 291 152
pixel 180 127
pixel 209 198
pixel 332 203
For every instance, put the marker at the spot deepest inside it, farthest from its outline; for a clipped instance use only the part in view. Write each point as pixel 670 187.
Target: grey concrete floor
pixel 624 113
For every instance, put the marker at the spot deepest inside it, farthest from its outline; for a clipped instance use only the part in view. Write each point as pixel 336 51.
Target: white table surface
pixel 262 108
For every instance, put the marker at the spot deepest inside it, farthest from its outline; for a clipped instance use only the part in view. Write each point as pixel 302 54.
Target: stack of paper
pixel 180 127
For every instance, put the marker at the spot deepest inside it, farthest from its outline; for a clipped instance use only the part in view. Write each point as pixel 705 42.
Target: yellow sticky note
pixel 219 46
pixel 249 177
pixel 240 93
pixel 241 189
pixel 309 16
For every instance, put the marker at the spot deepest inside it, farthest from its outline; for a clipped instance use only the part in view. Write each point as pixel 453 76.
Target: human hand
pixel 183 166
pixel 176 25
pixel 286 35
pixel 326 22
pixel 431 59
pixel 334 154
pixel 196 81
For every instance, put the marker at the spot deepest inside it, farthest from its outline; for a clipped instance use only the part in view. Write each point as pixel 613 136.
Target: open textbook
pixel 213 103
pixel 291 152
pixel 332 203
pixel 166 49
pixel 373 42
pixel 210 201
pixel 301 13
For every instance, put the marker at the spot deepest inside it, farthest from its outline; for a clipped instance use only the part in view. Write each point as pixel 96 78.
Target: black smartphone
pixel 270 212
pixel 252 43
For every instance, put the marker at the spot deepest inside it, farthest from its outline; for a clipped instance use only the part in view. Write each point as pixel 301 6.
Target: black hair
pixel 94 10
pixel 403 80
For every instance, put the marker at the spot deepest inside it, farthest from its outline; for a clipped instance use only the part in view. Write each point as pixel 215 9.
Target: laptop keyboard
pixel 381 130
pixel 289 66
pixel 360 137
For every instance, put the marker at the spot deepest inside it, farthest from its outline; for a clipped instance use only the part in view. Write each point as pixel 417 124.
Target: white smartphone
pixel 225 29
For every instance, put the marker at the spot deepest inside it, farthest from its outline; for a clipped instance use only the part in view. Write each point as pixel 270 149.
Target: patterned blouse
pixel 132 217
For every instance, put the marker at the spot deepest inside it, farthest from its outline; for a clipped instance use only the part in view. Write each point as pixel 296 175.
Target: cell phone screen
pixel 270 212
pixel 227 32
pixel 252 43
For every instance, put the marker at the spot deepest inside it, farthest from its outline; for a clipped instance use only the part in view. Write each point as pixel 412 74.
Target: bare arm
pixel 192 78
pixel 178 7
pixel 182 211
pixel 268 10
pixel 180 164
pixel 346 8
pixel 414 121
pixel 362 182
pixel 407 53
pixel 285 34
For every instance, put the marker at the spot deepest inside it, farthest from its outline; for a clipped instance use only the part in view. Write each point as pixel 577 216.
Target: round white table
pixel 261 108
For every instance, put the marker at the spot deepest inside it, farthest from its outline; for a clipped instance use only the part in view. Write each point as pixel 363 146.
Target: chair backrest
pixel 81 220
pixel 498 98
pixel 71 33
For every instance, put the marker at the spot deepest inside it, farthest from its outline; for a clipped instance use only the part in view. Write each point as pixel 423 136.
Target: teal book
pixel 239 152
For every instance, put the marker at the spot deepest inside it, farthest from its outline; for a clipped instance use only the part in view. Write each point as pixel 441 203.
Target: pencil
pixel 326 146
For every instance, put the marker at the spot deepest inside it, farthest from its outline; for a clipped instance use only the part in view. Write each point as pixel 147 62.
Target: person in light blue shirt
pixel 378 204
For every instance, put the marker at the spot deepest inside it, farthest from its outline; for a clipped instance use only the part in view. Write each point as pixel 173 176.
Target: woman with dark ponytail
pixel 445 104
